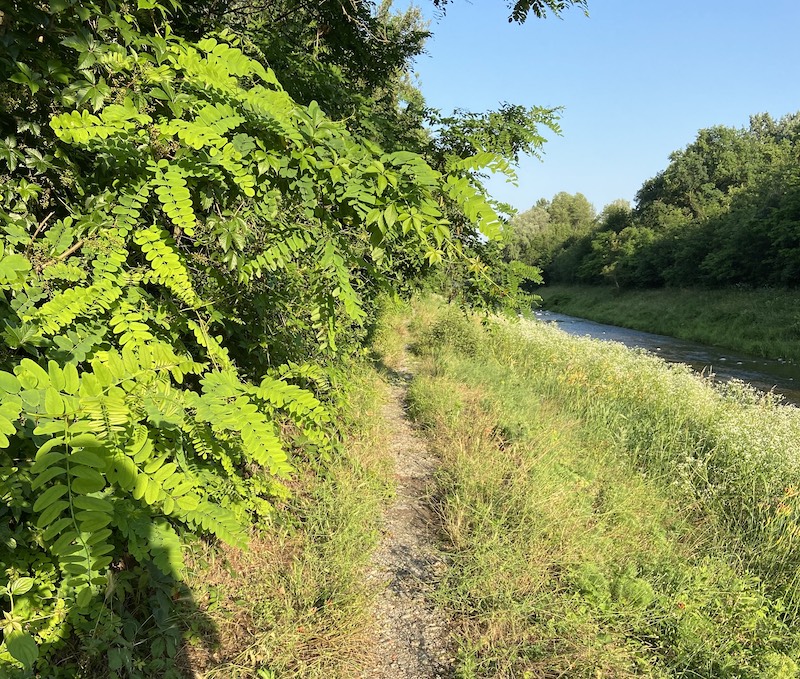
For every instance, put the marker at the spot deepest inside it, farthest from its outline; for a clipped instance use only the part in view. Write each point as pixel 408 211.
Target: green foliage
pixel 188 243
pixel 301 587
pixel 489 282
pixel 184 249
pixel 509 132
pixel 353 58
pixel 520 9
pixel 540 235
pixel 723 213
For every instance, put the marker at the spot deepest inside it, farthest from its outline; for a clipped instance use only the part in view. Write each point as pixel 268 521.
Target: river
pixel 766 374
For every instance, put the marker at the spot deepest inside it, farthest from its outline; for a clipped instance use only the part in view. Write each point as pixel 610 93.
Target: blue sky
pixel 637 80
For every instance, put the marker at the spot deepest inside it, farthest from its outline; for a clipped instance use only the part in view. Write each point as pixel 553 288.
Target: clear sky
pixel 637 80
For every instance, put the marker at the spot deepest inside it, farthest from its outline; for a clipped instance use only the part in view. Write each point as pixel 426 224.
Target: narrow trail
pixel 411 635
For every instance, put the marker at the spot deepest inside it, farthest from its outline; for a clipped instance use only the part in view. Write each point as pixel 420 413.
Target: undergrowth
pixel 295 604
pixel 608 516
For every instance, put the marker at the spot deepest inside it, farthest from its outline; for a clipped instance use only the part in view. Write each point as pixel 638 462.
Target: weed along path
pixel 411 634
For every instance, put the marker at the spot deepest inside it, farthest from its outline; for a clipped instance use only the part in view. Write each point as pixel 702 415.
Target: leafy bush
pixel 453 329
pixel 180 258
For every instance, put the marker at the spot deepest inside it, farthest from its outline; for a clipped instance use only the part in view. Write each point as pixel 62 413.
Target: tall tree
pixel 539 234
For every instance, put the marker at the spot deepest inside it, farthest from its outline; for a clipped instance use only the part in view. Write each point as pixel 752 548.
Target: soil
pixel 412 635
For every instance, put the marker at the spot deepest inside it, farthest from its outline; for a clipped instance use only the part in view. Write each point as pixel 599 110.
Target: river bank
pixel 605 513
pixel 761 322
pixel 722 365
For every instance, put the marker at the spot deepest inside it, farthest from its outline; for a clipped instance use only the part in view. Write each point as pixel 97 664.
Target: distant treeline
pixel 725 211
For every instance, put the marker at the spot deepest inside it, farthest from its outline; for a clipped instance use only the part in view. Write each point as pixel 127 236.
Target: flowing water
pixel 766 374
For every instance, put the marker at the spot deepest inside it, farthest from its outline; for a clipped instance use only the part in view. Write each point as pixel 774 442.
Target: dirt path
pixel 411 635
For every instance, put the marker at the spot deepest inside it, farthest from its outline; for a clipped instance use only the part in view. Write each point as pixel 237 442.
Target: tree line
pixel 725 212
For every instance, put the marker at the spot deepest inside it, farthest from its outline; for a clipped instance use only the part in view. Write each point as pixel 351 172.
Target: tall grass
pixel 762 322
pixel 608 515
pixel 296 604
pixel 731 452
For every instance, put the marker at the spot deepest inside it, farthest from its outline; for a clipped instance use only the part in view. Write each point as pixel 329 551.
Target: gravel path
pixel 411 635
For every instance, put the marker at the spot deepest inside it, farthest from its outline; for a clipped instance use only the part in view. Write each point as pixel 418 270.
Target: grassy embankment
pixel 608 515
pixel 760 322
pixel 295 604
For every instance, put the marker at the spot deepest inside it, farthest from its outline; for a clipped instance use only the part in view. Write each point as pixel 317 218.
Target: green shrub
pixel 181 261
pixel 453 329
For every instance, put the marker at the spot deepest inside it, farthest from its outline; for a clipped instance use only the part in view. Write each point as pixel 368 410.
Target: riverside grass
pixel 295 604
pixel 608 515
pixel 762 322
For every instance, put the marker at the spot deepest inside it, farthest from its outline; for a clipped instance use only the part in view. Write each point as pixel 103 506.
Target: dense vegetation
pixel 200 206
pixel 607 514
pixel 204 207
pixel 725 212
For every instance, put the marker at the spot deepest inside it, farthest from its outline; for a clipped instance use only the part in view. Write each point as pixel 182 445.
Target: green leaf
pixel 117 658
pixel 92 521
pixel 20 586
pixel 390 215
pixel 71 379
pixel 11 407
pixel 53 403
pixel 94 504
pixel 55 528
pixel 141 486
pixel 45 448
pixel 87 458
pixel 49 514
pixel 66 545
pixel 46 428
pixel 86 441
pixel 46 476
pixel 165 472
pixel 189 502
pixel 99 536
pixel 7 427
pixel 84 597
pixel 123 472
pixel 23 648
pixel 9 383
pixel 151 493
pixel 36 370
pixel 49 496
pixel 89 484
pixel 12 267
pixel 44 461
pixel 56 375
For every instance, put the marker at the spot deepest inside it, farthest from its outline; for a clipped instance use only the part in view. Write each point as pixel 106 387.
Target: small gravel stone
pixel 411 634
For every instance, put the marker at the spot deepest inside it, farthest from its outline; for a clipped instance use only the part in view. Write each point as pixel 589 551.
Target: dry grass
pixel 295 604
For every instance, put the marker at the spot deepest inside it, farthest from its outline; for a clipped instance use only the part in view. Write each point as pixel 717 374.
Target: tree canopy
pixel 725 211
pixel 521 9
